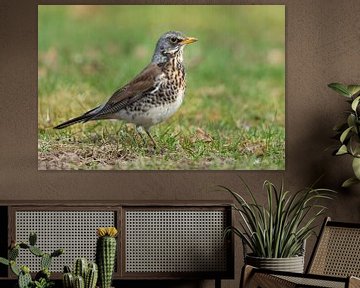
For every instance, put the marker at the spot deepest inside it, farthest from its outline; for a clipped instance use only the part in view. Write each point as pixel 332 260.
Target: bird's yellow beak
pixel 188 40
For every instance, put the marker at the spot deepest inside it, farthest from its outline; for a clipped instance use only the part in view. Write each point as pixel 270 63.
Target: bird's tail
pixel 83 118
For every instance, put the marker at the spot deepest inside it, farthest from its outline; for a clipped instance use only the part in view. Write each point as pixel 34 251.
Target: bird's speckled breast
pixel 163 101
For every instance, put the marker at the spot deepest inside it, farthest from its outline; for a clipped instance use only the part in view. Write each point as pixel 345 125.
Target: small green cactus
pixel 79 282
pixel 80 267
pixel 14 268
pixel 67 269
pixel 106 254
pixel 57 252
pixel 13 253
pixel 24 280
pixel 84 274
pixel 68 280
pixel 36 251
pixel 42 278
pixel 91 276
pixel 32 238
pixel 45 261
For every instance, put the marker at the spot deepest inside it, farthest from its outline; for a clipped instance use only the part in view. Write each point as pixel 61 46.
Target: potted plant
pixel 87 274
pixel 348 132
pixel 42 278
pixel 275 234
pixel 84 274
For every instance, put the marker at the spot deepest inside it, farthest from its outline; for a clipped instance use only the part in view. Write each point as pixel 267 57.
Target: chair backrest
pixel 337 251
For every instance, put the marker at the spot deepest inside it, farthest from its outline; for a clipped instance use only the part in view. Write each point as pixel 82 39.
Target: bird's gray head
pixel 169 45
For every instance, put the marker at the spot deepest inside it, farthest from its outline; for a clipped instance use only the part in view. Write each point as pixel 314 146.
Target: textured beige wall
pixel 323 46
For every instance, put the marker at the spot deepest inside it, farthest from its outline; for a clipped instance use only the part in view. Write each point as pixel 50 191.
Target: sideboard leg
pixel 217 283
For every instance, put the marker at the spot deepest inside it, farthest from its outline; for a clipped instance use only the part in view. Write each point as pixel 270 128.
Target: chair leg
pixel 246 274
pixel 354 282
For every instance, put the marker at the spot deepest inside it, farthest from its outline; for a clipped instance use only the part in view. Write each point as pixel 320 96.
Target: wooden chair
pixel 335 262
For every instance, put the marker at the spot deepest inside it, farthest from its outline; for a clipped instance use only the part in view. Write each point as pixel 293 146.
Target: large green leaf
pixel 355 103
pixel 340 88
pixel 351 181
pixel 354 145
pixel 356 167
pixel 353 89
pixel 342 150
pixel 345 134
pixel 351 120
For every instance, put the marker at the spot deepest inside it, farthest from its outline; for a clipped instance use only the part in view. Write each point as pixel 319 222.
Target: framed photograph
pixel 161 87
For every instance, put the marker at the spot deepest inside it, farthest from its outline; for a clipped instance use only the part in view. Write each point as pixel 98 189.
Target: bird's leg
pixel 152 139
pixel 138 130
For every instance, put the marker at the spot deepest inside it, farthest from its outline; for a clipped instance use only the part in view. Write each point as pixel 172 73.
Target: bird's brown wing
pixel 146 81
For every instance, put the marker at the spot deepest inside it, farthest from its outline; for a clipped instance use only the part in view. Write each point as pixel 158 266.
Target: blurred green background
pixel 233 115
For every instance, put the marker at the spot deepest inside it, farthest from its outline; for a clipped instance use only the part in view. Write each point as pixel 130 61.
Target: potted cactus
pixel 42 278
pixel 106 254
pixel 84 275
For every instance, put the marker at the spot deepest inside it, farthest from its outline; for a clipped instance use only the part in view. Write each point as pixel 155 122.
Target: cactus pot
pixel 291 264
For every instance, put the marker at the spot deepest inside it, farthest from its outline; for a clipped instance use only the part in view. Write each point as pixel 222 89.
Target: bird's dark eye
pixel 173 40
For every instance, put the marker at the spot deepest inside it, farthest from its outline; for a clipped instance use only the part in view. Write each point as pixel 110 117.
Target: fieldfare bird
pixel 152 96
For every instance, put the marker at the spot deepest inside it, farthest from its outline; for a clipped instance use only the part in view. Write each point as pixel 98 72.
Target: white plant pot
pixel 291 264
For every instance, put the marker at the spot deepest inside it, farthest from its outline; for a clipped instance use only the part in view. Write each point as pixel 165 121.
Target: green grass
pixel 233 115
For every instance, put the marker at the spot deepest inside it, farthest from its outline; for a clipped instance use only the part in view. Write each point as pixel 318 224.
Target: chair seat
pixel 263 278
pixel 315 282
